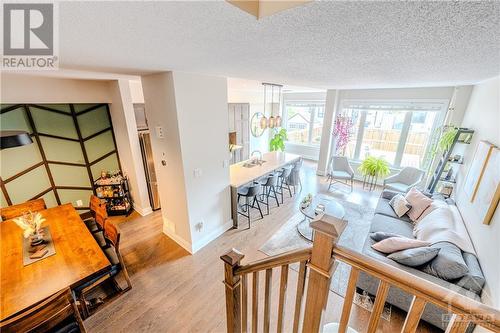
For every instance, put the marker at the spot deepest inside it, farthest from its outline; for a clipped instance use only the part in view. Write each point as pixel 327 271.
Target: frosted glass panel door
pixel 72 143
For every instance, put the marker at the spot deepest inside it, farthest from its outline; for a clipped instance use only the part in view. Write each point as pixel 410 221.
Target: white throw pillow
pixel 399 205
pixel 393 244
pixel 440 219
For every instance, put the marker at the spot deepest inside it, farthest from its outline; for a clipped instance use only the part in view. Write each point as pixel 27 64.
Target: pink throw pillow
pixel 394 244
pixel 418 202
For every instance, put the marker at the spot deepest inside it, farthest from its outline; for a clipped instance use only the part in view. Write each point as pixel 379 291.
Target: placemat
pixel 28 249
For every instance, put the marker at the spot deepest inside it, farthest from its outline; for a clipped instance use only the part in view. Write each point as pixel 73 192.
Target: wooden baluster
pixel 282 297
pixel 232 261
pixel 301 282
pixel 255 302
pixel 267 299
pixel 413 317
pixel 244 303
pixel 378 307
pixel 457 324
pixel 326 233
pixel 349 296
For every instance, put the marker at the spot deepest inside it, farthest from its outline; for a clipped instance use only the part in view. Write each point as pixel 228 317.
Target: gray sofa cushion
pixel 449 263
pixel 474 280
pixel 390 224
pixel 384 208
pixel 402 300
pixel 414 257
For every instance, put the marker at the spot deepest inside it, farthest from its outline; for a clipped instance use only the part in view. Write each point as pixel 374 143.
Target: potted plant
pixel 372 168
pixel 278 140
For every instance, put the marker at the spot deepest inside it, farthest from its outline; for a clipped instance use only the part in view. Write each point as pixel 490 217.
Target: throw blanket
pixel 444 224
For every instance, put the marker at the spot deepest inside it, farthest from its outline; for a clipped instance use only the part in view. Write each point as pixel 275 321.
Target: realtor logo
pixel 29 36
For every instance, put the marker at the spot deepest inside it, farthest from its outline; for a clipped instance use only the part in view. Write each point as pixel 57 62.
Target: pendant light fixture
pixel 272 121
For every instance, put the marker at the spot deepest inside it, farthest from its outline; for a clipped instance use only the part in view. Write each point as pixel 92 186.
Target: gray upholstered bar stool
pixel 283 181
pixel 294 178
pixel 269 185
pixel 250 193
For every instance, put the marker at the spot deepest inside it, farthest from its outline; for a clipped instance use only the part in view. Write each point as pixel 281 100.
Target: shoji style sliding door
pixel 72 143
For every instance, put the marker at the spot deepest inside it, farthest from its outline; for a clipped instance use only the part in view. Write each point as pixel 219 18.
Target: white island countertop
pixel 240 175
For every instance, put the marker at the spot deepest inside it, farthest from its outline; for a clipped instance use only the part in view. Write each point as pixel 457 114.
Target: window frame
pixel 311 120
pixel 440 105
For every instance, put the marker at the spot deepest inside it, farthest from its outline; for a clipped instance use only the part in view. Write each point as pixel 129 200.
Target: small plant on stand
pixel 372 168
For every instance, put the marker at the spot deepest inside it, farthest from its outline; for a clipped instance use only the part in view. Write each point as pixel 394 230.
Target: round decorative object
pixel 258 124
pixel 271 122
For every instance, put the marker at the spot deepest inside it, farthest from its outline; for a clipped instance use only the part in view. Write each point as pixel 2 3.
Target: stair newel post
pixel 232 282
pixel 327 230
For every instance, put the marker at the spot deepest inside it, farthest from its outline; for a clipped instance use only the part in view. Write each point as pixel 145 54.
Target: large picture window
pixel 304 122
pixel 399 132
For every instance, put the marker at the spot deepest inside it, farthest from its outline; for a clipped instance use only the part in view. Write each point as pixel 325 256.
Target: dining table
pixel 77 259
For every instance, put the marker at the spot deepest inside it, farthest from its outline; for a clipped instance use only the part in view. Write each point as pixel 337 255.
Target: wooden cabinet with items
pixel 113 188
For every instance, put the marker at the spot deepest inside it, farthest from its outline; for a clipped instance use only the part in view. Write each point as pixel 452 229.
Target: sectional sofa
pixel 386 220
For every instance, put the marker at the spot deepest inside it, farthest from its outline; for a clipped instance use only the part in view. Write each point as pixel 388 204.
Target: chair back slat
pixel 13 211
pixel 112 234
pixel 45 315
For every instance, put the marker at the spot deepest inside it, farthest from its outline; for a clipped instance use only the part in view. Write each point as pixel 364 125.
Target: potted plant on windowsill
pixel 372 168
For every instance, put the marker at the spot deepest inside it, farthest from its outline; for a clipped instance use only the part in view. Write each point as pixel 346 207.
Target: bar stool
pixel 294 178
pixel 250 192
pixel 283 180
pixel 269 185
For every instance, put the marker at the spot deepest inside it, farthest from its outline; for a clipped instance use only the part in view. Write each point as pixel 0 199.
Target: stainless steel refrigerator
pixel 149 168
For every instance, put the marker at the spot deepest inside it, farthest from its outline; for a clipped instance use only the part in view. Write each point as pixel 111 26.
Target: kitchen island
pixel 246 172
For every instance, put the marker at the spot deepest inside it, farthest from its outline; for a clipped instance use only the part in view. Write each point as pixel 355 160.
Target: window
pixel 399 132
pixel 304 122
pixel 381 134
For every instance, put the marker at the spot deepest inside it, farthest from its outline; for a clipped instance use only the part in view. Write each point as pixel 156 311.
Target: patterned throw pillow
pixel 400 205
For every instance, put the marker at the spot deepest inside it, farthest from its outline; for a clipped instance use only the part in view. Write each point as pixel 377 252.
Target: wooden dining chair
pixel 100 221
pixel 96 206
pixel 13 211
pixel 57 313
pixel 114 256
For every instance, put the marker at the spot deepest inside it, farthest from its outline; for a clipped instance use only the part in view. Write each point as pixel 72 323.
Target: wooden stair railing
pixel 318 264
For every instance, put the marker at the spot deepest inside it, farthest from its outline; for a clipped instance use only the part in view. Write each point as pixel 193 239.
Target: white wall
pixel 192 109
pixel 127 142
pixel 23 88
pixel 483 115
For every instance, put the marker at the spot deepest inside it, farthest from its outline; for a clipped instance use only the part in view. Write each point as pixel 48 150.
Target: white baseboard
pixel 212 235
pixel 143 211
pixel 178 239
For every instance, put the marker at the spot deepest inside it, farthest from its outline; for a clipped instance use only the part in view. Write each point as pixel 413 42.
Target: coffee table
pixel 331 207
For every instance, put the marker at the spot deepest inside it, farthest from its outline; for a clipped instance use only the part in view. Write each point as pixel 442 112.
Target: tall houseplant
pixel 342 130
pixel 277 142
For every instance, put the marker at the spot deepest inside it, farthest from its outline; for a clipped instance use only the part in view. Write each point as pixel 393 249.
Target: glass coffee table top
pixel 327 205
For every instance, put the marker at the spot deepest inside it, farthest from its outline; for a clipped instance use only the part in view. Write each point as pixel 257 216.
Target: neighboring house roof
pixel 302 119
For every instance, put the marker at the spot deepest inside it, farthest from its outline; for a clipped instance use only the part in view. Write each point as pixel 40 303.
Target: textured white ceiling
pixel 321 44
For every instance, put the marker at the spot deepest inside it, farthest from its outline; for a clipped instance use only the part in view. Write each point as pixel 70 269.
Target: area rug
pixel 287 239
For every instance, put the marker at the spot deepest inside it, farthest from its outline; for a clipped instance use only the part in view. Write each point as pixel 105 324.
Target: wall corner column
pixel 332 97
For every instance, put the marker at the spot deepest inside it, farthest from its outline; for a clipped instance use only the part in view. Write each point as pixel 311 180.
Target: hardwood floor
pixel 174 291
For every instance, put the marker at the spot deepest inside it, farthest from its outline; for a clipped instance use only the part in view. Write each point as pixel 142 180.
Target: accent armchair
pixel 403 181
pixel 340 171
